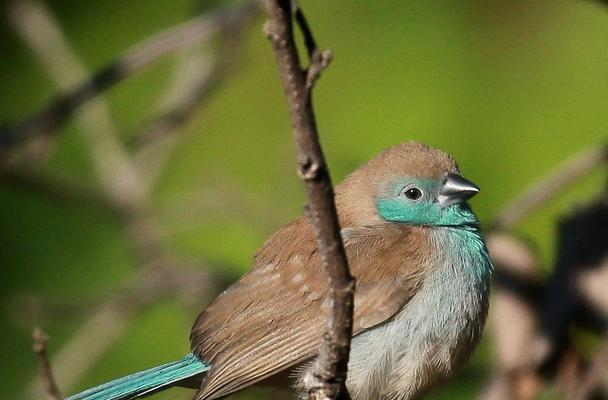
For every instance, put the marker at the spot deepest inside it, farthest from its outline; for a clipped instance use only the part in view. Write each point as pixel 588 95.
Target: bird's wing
pixel 274 316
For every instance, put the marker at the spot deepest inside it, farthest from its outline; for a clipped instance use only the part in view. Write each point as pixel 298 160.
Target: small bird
pixel 422 284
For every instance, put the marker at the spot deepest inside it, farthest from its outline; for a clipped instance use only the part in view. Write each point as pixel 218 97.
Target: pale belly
pixel 406 357
pixel 430 338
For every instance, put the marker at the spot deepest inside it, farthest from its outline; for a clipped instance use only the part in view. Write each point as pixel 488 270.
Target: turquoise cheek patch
pixel 399 210
pixel 389 209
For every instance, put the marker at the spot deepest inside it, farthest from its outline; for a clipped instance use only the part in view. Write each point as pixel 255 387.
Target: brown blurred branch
pixel 569 172
pixel 196 80
pixel 330 368
pixel 514 319
pixel 134 59
pixel 595 375
pixel 197 76
pixel 115 168
pixel 41 32
pixel 46 372
pixel 57 188
pixel 159 274
pixel 111 319
pixel 544 312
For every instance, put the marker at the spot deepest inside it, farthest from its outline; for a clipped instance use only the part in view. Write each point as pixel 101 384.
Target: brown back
pixel 274 316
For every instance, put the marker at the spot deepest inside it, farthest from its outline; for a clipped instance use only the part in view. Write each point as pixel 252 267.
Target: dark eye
pixel 412 193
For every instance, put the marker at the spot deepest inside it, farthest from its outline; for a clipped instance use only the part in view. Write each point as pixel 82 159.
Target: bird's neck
pixel 462 262
pixel 465 244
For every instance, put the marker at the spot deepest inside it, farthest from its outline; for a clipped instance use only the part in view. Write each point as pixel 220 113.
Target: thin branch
pixel 330 369
pixel 162 132
pixel 319 61
pixel 197 77
pixel 134 59
pixel 46 372
pixel 309 40
pixel 112 318
pixel 564 175
pixel 158 274
pixel 57 188
pixel 42 33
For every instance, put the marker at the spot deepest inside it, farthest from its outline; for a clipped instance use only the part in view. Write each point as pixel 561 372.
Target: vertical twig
pixel 330 368
pixel 46 372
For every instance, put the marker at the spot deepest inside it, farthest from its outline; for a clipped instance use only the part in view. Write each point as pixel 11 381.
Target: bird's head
pixel 408 183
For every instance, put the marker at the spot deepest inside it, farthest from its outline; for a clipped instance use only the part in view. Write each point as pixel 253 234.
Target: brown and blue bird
pixel 422 283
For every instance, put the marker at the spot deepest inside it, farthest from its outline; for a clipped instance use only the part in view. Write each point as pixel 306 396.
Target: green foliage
pixel 509 88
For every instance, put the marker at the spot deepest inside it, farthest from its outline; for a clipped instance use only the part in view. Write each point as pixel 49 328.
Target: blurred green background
pixel 510 88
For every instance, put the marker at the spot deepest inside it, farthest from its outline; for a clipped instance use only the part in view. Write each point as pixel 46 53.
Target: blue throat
pixel 145 382
pixel 465 244
pixel 393 209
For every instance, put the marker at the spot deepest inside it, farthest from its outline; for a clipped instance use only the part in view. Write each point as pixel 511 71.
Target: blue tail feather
pixel 145 382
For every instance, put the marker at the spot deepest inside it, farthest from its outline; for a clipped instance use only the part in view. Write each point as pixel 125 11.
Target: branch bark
pixel 46 372
pixel 330 368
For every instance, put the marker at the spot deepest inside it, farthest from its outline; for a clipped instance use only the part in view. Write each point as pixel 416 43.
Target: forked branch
pixel 329 371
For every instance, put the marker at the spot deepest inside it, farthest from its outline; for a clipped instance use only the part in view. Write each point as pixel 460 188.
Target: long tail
pixel 145 382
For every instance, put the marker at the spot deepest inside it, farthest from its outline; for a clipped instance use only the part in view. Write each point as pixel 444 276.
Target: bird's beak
pixel 455 190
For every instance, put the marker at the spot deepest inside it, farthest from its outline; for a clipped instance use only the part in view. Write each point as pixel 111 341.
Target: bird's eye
pixel 412 193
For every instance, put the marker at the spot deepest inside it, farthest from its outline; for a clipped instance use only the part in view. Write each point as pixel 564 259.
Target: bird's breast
pixel 432 336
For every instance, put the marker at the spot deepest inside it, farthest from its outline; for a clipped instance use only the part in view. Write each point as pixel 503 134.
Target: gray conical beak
pixel 455 190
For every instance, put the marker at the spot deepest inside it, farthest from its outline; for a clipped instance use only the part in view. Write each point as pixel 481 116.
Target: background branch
pixel 208 47
pixel 46 372
pixel 111 319
pixel 330 368
pixel 41 32
pixel 160 275
pixel 562 176
pixel 196 78
pixel 134 59
pixel 52 186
